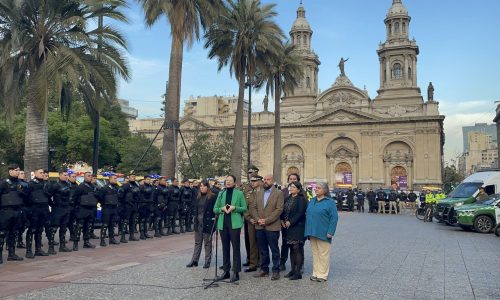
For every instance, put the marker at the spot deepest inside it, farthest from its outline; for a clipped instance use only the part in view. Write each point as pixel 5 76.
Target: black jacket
pixel 297 218
pixel 371 196
pixel 381 196
pixel 208 213
pixel 412 197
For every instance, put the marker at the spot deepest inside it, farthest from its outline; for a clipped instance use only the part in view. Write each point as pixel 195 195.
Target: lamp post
pixel 497 121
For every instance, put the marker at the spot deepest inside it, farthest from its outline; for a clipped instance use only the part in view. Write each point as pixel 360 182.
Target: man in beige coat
pixel 267 210
pixel 254 259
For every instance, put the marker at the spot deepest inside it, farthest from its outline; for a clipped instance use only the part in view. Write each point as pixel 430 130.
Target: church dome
pixel 397 9
pixel 301 22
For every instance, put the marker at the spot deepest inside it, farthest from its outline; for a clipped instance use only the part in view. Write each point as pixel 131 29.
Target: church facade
pixel 340 135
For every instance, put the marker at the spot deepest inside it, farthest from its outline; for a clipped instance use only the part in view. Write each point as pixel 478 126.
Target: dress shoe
pixel 295 277
pixel 192 264
pixel 275 276
pixel 235 277
pixel 206 265
pixel 290 274
pixel 247 264
pixel 225 275
pixel 320 279
pixel 250 270
pixel 261 274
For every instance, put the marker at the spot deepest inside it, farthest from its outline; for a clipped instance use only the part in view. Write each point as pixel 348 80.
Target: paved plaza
pixel 373 257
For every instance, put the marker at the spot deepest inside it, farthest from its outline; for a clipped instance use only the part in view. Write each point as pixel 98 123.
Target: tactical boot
pixel 146 233
pixel 157 228
pixel 19 236
pixel 38 246
pixel 2 241
pixel 29 245
pixel 87 244
pixel 62 241
pixel 189 225
pixel 181 225
pixel 174 230
pixel 141 231
pixel 75 245
pixel 111 234
pixel 51 234
pixel 12 254
pixel 103 236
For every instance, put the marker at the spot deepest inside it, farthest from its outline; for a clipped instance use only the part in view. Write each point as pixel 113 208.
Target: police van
pixel 466 193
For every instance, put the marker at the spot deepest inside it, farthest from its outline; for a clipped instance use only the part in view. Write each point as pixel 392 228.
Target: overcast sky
pixel 459 46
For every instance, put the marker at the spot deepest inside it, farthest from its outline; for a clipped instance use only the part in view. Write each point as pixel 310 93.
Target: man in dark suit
pixel 267 209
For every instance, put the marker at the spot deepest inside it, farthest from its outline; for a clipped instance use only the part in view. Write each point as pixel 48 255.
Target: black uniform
pixel 145 208
pixel 108 198
pixel 160 199
pixel 11 199
pixel 372 201
pixel 412 197
pixel 360 196
pixel 39 217
pixel 128 195
pixel 23 218
pixel 85 203
pixel 72 212
pixel 186 209
pixel 61 210
pixel 350 200
pixel 174 197
pixel 393 197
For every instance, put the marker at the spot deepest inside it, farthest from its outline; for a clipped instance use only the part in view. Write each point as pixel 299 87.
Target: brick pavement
pixel 373 257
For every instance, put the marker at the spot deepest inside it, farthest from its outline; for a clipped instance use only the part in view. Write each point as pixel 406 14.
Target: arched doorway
pixel 292 161
pixel 343 174
pixel 399 178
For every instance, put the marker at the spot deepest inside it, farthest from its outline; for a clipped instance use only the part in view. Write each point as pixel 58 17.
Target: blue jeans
pixel 265 240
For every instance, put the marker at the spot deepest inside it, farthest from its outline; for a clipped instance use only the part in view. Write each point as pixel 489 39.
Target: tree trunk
pixel 236 153
pixel 277 132
pixel 172 109
pixel 36 151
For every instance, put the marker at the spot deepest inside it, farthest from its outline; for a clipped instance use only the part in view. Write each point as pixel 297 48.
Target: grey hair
pixel 324 187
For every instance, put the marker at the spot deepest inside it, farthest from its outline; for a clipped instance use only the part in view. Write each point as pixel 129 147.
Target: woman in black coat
pixel 204 219
pixel 293 220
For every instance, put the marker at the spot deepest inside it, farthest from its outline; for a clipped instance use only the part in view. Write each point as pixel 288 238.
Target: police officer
pixel 61 208
pixel 85 204
pixel 372 202
pixel 72 213
pixel 160 200
pixel 23 219
pixel 128 195
pixel 360 197
pixel 247 189
pixel 412 198
pixel 11 199
pixel 185 210
pixel 403 199
pixel 174 197
pixel 108 198
pixel 38 216
pixel 145 207
pixel 393 198
pixel 350 199
pixel 381 197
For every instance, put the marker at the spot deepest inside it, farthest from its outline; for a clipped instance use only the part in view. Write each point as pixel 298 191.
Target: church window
pixel 308 81
pixel 305 40
pixel 396 29
pixel 397 71
pixel 390 29
pixel 404 27
pixel 298 39
pixel 409 73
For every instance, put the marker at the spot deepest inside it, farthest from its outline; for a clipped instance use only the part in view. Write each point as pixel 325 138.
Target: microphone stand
pixel 213 282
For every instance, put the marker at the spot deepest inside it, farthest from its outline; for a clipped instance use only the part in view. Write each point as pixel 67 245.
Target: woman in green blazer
pixel 229 207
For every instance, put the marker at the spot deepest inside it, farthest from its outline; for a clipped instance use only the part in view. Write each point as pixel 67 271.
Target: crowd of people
pixel 259 207
pixel 30 208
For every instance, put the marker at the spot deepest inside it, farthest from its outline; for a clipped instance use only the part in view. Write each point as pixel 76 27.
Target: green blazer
pixel 238 201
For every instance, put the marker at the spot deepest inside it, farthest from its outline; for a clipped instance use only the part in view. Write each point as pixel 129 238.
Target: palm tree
pixel 243 36
pixel 282 74
pixel 47 51
pixel 186 18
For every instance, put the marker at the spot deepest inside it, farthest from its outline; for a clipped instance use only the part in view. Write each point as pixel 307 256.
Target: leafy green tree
pixel 186 19
pixel 131 150
pixel 210 155
pixel 48 48
pixel 243 37
pixel 451 178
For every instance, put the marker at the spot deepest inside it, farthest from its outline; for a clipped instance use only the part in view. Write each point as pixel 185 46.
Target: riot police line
pixel 30 208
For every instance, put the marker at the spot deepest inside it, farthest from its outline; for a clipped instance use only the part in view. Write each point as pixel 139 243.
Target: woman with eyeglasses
pixel 321 223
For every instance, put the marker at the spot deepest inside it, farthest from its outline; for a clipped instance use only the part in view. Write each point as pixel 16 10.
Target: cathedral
pixel 340 135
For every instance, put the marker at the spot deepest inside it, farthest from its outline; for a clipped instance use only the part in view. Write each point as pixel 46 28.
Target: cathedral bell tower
pixel 398 57
pixel 307 90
